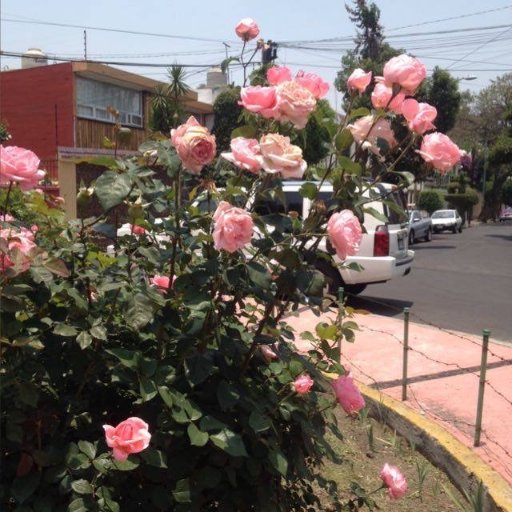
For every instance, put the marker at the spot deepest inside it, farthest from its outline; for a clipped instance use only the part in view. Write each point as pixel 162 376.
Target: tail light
pixel 381 241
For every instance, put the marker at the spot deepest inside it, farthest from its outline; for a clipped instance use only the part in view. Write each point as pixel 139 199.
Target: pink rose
pixel 359 80
pixel 419 115
pixel 267 353
pixel 344 232
pixel 406 71
pixel 366 132
pixel 394 481
pixel 382 97
pixel 302 384
pixel 245 153
pixel 137 230
pixel 161 282
pixel 278 74
pixel 439 150
pixel 348 395
pixel 295 103
pixel 34 228
pixel 313 83
pixel 233 227
pixel 20 249
pixel 19 165
pixel 194 144
pixel 130 436
pixel 6 218
pixel 279 156
pixel 247 29
pixel 260 100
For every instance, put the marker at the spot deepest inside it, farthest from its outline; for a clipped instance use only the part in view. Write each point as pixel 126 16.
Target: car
pixel 505 214
pixel 383 253
pixel 420 226
pixel 444 220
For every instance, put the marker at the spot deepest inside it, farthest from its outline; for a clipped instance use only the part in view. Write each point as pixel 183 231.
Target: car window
pixel 293 202
pixel 443 215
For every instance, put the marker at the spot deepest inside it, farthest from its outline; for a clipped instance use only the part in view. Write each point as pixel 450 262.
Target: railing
pixel 52 170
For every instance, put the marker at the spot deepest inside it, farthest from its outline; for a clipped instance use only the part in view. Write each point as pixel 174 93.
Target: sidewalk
pixel 443 378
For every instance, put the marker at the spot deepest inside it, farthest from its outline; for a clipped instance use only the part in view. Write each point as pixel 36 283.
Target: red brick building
pixel 60 111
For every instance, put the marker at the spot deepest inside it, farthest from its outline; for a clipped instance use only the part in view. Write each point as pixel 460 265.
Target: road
pixel 461 282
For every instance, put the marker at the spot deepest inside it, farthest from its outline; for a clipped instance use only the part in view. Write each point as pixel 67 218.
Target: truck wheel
pixel 334 280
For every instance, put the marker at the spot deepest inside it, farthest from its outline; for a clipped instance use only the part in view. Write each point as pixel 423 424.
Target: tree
pixel 227 113
pixel 500 160
pixel 371 51
pixel 442 91
pixel 167 102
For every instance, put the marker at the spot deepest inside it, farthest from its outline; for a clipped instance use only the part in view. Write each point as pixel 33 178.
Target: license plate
pixel 401 244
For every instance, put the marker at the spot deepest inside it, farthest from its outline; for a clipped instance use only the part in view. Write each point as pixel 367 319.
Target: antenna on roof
pixel 85 44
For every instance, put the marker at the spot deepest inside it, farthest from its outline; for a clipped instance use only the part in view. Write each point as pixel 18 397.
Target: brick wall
pixel 37 104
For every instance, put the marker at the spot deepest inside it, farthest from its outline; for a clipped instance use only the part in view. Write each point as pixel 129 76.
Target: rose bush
pixel 163 375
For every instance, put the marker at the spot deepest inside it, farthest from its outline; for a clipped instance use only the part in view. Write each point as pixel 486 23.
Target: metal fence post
pixel 406 353
pixel 481 387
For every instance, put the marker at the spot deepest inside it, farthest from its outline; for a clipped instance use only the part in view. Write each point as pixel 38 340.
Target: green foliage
pixel 507 192
pixel 430 201
pixel 227 116
pixel 442 91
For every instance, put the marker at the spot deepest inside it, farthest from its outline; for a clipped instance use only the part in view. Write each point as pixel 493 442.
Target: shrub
pixel 430 200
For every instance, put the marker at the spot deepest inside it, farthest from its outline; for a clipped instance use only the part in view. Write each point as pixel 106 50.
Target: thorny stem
pixel 6 204
pixel 177 202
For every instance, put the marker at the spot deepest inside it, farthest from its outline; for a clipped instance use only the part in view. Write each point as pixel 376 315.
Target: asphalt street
pixel 461 282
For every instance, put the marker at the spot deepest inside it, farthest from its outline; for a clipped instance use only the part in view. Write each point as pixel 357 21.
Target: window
pixel 94 97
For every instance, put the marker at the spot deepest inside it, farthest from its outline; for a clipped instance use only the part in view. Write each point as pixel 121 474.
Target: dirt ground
pixel 367 446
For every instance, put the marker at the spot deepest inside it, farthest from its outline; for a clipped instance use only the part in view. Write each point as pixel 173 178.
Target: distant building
pixel 64 111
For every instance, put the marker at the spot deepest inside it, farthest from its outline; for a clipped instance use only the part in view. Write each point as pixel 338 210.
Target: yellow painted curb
pixel 464 461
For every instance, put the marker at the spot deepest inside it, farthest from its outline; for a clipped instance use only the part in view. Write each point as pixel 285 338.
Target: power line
pixel 121 31
pixel 452 18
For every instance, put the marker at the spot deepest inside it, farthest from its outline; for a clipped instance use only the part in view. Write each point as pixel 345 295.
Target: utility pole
pixel 226 46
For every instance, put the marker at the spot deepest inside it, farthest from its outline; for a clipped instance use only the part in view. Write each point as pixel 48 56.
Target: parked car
pixel 443 220
pixel 420 226
pixel 505 214
pixel 383 254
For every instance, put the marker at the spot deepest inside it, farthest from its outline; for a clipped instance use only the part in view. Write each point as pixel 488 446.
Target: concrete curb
pixel 460 463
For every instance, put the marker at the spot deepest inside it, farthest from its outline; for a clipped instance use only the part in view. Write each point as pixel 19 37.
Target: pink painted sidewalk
pixel 443 375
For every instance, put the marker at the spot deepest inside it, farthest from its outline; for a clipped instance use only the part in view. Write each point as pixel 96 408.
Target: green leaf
pixel 227 395
pixel 308 190
pixel 154 457
pixel 197 438
pixel 128 358
pixel 326 331
pixel 78 505
pixel 82 487
pixel 210 423
pixel 147 389
pixel 197 369
pixel 259 422
pixel 229 442
pixel 259 275
pixel 65 330
pixel 181 492
pixel 359 112
pixel 23 487
pixel 125 465
pixel 349 165
pixel 278 460
pixel 99 332
pixel 166 395
pixel 249 132
pixel 139 312
pixel 112 188
pixel 88 448
pixel 344 140
pixel 84 339
pixel 57 266
pixel 41 275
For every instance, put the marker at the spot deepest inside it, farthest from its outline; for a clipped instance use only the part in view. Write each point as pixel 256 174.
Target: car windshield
pixel 443 215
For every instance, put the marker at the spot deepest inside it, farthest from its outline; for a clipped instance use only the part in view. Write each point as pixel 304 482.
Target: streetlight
pixel 470 77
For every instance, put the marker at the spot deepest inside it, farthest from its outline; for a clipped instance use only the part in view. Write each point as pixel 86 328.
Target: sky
pixel 470 38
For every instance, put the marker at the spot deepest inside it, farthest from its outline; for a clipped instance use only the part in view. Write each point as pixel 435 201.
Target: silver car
pixel 446 220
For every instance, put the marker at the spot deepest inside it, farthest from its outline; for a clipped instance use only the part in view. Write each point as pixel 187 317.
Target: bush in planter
pixel 164 377
pixel 430 201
